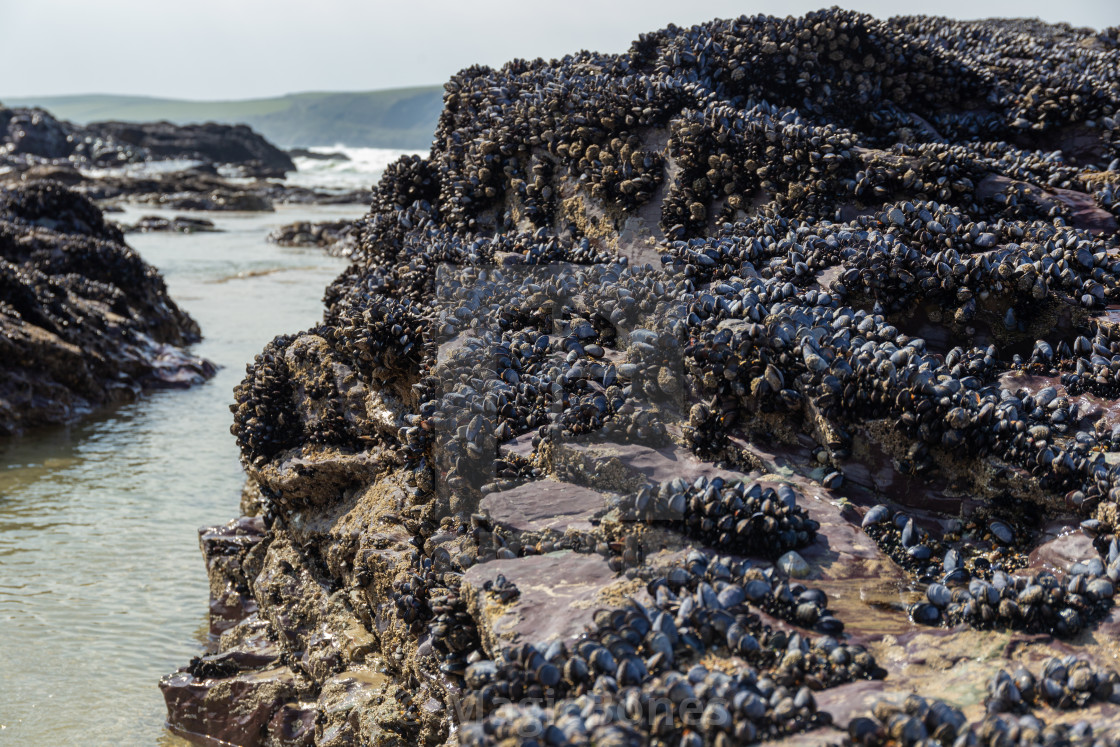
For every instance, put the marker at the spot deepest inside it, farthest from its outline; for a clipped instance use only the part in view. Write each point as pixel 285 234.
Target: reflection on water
pixel 102 587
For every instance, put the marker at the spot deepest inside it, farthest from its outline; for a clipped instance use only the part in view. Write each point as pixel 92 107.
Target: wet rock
pixel 336 237
pixel 544 505
pixel 344 700
pixel 237 710
pixel 178 224
pixel 226 550
pixel 85 322
pixel 858 310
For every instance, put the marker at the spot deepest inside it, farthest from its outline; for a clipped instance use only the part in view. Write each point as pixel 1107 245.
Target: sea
pixel 102 585
pixel 352 173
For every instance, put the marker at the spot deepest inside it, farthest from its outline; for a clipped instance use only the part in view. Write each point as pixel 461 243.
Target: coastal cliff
pixel 728 389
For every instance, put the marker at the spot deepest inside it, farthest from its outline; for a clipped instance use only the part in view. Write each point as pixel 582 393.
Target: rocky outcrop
pixel 200 188
pixel 235 145
pixel 337 237
pixel 732 389
pixel 35 146
pixel 84 322
pixel 30 136
pixel 178 224
pixel 316 155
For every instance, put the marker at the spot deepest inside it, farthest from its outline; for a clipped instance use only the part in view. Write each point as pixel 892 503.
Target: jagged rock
pixel 553 482
pixel 84 322
pixel 35 133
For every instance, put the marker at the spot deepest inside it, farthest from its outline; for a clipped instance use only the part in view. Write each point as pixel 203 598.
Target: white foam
pixel 361 172
pixel 144 168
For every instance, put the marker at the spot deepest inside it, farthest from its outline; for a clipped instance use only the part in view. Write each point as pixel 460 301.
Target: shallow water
pixel 102 586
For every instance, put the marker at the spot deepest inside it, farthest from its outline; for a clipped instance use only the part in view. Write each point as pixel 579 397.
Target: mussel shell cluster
pixel 864 227
pixel 921 721
pixel 1062 683
pixel 638 654
pixel 746 519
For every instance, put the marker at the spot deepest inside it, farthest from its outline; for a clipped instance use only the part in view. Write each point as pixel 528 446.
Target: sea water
pixel 102 585
pixel 353 173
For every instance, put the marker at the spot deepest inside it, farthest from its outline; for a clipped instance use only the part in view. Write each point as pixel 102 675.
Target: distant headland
pixel 396 118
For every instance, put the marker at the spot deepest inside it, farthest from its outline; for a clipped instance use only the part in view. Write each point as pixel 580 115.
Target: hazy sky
pixel 249 48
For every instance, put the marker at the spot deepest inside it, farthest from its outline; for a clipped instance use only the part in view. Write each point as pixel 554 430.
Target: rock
pixel 545 504
pixel 560 592
pixel 316 156
pixel 345 700
pixel 202 188
pixel 84 322
pixel 225 550
pixel 61 173
pixel 337 237
pixel 293 724
pixel 621 466
pixel 234 145
pixel 528 464
pixel 35 146
pixel 178 224
pixel 237 710
pixel 35 133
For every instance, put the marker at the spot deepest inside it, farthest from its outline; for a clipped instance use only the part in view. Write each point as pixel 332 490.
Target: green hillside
pixel 398 118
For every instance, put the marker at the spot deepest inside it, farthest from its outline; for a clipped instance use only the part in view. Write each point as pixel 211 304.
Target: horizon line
pixel 152 97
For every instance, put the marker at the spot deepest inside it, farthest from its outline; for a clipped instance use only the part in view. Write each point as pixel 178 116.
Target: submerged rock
pixel 757 290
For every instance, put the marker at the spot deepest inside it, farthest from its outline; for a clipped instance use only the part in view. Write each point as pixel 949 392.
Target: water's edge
pixel 102 589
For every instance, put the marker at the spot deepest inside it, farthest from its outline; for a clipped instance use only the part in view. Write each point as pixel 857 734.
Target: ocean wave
pixel 360 172
pixel 143 168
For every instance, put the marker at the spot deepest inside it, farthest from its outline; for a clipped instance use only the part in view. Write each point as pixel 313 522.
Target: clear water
pixel 102 586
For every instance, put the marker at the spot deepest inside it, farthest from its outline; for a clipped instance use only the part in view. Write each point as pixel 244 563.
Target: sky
pixel 232 49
